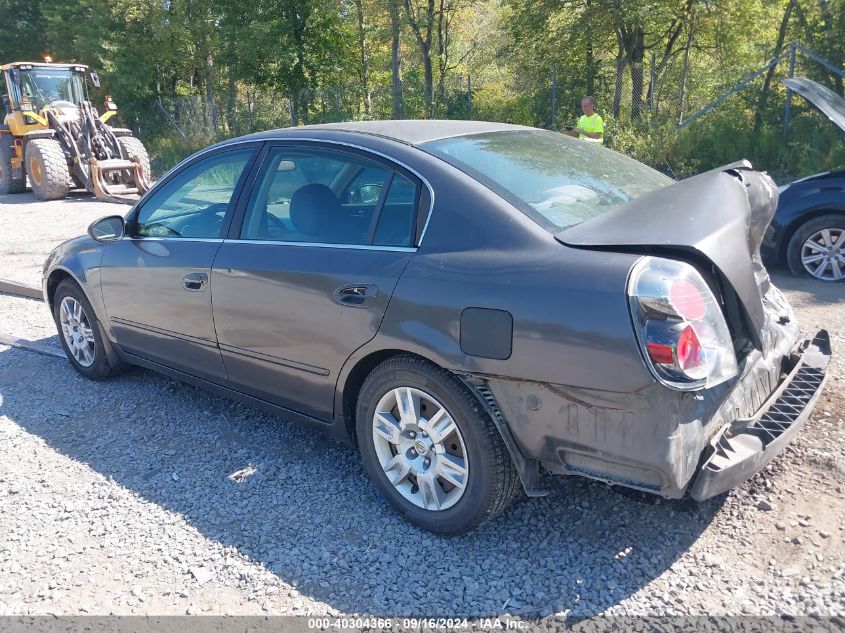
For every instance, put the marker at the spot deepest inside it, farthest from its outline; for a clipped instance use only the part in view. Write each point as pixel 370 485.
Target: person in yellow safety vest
pixel 590 125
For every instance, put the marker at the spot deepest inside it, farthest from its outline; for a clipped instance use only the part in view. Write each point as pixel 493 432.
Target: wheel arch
pixel 353 379
pixel 57 276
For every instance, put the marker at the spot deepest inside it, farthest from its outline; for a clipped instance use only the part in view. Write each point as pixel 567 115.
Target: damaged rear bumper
pixel 743 447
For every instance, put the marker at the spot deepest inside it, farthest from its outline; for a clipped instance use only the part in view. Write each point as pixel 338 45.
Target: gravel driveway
pixel 144 495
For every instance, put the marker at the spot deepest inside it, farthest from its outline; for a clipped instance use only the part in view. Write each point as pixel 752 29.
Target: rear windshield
pixel 556 180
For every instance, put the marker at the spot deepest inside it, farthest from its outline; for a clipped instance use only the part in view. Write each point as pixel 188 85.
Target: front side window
pixel 556 180
pixel 328 197
pixel 194 203
pixel 42 86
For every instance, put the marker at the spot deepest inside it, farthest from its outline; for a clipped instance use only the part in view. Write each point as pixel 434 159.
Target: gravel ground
pixel 143 495
pixel 29 229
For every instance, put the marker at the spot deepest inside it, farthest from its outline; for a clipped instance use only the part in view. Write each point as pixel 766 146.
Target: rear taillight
pixel 679 325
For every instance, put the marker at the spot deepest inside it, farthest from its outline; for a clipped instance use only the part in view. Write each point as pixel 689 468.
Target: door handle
pixel 355 294
pixel 195 282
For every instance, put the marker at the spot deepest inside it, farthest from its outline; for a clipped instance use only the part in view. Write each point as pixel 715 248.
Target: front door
pixel 306 279
pixel 156 281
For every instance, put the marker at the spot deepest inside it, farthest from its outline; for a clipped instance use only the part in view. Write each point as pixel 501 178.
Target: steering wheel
pixel 275 222
pixel 206 221
pixel 153 230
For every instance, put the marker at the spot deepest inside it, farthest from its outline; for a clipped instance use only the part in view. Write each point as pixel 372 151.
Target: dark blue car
pixel 807 232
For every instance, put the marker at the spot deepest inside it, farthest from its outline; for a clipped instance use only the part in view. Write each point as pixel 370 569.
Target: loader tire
pixel 9 184
pixel 133 147
pixel 47 169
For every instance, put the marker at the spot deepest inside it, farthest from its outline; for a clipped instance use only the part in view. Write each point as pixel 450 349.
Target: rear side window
pixel 330 197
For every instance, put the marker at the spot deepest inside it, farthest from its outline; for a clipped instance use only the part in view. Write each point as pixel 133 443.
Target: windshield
pixel 556 180
pixel 43 86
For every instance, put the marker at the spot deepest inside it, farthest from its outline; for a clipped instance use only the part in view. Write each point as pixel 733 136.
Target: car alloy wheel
pixel 77 331
pixel 420 448
pixel 823 254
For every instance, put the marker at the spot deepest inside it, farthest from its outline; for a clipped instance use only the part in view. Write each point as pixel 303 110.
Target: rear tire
pixel 131 146
pixel 429 452
pixel 79 333
pixel 47 169
pixel 829 227
pixel 8 184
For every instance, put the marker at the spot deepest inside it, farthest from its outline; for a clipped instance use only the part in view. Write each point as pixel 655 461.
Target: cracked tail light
pixel 679 325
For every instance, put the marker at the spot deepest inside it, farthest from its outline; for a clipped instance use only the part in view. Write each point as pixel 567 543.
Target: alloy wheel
pixel 420 448
pixel 823 254
pixel 77 331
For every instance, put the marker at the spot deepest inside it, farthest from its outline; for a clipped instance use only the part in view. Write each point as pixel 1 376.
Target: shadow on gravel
pixel 310 515
pixel 77 195
pixel 820 292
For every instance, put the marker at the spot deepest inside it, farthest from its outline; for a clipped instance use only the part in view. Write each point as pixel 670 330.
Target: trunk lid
pixel 822 98
pixel 719 216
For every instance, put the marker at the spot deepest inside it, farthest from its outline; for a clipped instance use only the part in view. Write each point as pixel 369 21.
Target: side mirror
pixel 95 79
pixel 108 229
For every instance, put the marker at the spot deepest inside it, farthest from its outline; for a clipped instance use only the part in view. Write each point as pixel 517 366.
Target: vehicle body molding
pixel 721 214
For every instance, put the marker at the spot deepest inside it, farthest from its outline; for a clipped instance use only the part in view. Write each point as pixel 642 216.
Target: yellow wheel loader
pixel 54 135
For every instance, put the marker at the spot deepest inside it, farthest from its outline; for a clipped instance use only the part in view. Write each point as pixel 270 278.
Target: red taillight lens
pixel 661 354
pixel 679 325
pixel 689 349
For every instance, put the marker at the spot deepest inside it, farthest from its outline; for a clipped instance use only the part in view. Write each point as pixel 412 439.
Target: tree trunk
pixel 685 70
pixel 637 53
pixel 429 81
pixel 423 33
pixel 365 69
pixel 294 108
pixel 767 83
pixel 834 42
pixel 621 62
pixel 209 93
pixel 231 103
pixel 589 62
pixel 395 53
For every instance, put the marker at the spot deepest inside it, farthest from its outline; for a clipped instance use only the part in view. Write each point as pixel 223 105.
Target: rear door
pixel 305 278
pixel 156 281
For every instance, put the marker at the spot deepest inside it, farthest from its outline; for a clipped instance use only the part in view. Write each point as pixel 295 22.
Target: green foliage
pixel 185 73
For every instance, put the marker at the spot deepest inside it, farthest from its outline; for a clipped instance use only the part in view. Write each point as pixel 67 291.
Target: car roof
pixel 409 131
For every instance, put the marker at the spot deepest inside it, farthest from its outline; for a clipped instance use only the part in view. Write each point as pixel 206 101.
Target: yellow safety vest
pixel 592 123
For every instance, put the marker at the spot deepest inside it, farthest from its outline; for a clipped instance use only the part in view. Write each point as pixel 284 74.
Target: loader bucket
pixel 127 193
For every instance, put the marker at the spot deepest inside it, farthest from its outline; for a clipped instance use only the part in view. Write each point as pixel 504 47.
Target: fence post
pixel 554 96
pixel 787 108
pixel 469 93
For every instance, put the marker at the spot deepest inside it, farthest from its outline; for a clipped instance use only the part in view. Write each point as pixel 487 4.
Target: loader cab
pixel 32 86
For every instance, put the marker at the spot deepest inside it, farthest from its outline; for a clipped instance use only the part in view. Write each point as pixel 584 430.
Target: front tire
pixel 431 449
pixel 79 333
pixel 8 184
pixel 817 249
pixel 47 169
pixel 132 147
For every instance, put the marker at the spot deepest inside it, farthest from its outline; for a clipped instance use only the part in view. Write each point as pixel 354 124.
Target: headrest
pixel 314 209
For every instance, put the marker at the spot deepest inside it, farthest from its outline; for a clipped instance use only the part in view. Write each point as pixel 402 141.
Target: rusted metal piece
pixel 20 290
pixel 137 185
pixel 32 346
